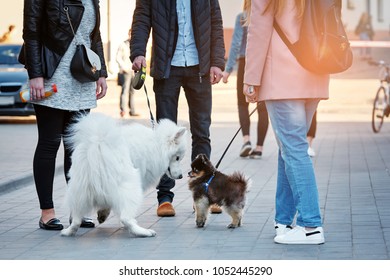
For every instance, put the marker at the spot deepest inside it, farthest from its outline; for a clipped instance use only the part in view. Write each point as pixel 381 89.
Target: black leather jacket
pixel 47 35
pixel 161 17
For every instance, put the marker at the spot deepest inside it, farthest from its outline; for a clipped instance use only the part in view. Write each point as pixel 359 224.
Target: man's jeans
pixel 198 94
pixel 296 191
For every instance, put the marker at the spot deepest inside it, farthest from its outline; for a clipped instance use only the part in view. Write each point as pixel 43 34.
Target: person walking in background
pixel 7 36
pixel 366 33
pixel 237 53
pixel 187 52
pixel 56 113
pixel 124 63
pixel 311 134
pixel 291 94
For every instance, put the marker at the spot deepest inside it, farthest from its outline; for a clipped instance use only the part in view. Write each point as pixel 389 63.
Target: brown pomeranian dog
pixel 209 186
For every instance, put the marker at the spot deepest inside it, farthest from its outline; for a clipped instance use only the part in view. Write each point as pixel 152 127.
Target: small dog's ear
pixel 204 158
pixel 180 133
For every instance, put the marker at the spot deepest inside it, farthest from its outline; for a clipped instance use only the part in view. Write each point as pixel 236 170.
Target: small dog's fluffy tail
pixel 240 178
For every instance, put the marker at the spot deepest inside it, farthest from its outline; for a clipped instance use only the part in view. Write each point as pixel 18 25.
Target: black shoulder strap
pixel 282 35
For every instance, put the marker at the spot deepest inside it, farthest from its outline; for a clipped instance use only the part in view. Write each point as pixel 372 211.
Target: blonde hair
pixel 246 8
pixel 279 6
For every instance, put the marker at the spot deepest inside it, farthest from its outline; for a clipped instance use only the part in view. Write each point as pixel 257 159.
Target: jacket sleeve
pixel 140 28
pixel 260 31
pixel 32 22
pixel 97 44
pixel 217 43
pixel 99 50
pixel 235 45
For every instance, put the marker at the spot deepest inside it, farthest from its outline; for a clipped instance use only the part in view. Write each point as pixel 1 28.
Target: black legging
pixel 243 109
pixel 52 125
pixel 313 126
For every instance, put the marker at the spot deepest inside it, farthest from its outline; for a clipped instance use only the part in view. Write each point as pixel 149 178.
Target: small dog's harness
pixel 207 184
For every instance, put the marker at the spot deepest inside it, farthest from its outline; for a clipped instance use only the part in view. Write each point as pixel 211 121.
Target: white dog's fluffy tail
pixel 93 139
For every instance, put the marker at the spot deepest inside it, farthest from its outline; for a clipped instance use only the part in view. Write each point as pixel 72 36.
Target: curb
pixel 15 182
pixel 20 181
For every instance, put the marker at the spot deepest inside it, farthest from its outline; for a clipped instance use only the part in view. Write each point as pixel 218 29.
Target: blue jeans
pixel 296 191
pixel 198 94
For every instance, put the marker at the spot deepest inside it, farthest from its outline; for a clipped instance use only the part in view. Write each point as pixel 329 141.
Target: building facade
pixel 117 19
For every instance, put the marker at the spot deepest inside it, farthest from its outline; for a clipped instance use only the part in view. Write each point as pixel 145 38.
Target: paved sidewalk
pixel 352 167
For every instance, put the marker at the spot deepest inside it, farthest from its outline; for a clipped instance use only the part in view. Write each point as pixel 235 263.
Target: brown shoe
pixel 215 209
pixel 165 209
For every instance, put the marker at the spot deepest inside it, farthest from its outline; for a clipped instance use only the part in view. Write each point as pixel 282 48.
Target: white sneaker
pixel 299 235
pixel 282 229
pixel 311 152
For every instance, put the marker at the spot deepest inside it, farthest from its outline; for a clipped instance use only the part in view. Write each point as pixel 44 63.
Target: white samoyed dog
pixel 113 164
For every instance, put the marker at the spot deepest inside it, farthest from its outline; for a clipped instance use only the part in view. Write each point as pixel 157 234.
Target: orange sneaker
pixel 166 209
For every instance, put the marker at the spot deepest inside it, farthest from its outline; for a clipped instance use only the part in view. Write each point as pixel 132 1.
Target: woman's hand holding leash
pixel 251 93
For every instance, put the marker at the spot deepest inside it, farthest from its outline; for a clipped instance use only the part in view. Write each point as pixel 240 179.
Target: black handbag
pixel 84 68
pixel 85 65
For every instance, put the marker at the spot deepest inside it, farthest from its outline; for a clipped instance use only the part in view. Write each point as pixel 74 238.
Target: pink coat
pixel 270 64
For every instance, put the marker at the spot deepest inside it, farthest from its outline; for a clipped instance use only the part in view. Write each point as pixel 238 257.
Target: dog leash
pixel 137 83
pixel 150 110
pixel 228 146
pixel 231 141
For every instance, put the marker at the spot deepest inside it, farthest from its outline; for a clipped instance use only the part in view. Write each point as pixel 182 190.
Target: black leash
pixel 231 141
pixel 137 83
pixel 150 110
pixel 228 146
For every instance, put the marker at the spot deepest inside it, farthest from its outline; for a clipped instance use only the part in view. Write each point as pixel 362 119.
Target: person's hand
pixel 225 76
pixel 101 88
pixel 215 75
pixel 251 93
pixel 37 89
pixel 138 62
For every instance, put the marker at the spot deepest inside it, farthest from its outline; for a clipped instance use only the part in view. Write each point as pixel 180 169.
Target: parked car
pixel 13 78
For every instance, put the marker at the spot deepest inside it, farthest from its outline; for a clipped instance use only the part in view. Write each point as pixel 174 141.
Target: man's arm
pixel 140 29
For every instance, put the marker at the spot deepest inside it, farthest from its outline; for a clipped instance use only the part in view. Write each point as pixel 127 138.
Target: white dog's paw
pixel 146 233
pixel 68 232
pixel 143 232
pixel 152 233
